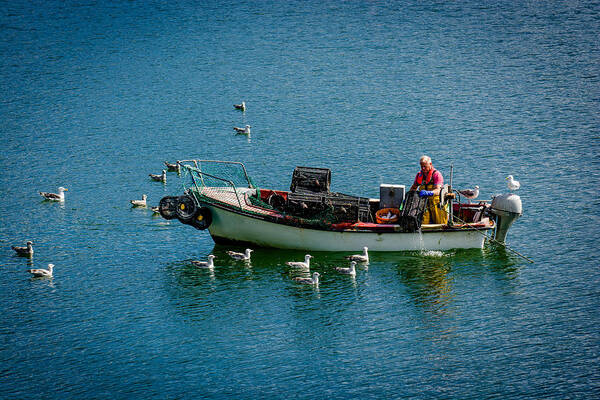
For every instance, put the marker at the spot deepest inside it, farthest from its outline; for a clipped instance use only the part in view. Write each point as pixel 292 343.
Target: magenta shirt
pixel 438 179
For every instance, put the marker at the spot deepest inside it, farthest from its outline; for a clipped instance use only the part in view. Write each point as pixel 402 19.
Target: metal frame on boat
pixel 221 197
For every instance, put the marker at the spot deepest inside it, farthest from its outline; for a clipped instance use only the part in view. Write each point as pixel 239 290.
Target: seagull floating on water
pixel 139 203
pixel 512 184
pixel 155 210
pixel 42 273
pixel 364 257
pixel 160 178
pixel 309 281
pixel 240 256
pixel 60 196
pixel 24 250
pixel 470 193
pixel 173 167
pixel 242 131
pixel 205 264
pixel 241 107
pixel 351 270
pixel 299 264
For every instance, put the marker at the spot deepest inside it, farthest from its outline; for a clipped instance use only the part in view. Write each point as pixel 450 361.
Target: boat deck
pixel 239 197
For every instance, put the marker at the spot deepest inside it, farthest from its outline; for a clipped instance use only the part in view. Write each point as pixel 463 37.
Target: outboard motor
pixel 506 208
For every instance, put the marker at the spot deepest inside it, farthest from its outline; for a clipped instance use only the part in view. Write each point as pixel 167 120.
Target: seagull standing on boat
pixel 240 256
pixel 364 257
pixel 139 203
pixel 351 270
pixel 470 193
pixel 24 250
pixel 205 264
pixel 42 273
pixel 299 264
pixel 512 184
pixel 173 167
pixel 160 178
pixel 60 196
pixel 309 281
pixel 242 131
pixel 241 107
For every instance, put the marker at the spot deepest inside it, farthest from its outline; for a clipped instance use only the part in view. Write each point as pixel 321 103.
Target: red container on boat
pixel 387 215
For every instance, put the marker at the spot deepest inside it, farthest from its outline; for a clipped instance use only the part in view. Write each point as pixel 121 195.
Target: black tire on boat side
pixel 202 219
pixel 168 207
pixel 276 201
pixel 186 208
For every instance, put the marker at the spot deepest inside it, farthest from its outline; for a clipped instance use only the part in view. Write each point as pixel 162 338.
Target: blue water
pixel 96 95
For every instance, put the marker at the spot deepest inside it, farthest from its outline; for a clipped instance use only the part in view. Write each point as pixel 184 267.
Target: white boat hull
pixel 232 227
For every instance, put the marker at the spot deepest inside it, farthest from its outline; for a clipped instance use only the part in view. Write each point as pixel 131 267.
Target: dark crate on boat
pixel 311 180
pixel 349 208
pixel 338 207
pixel 304 205
pixel 412 213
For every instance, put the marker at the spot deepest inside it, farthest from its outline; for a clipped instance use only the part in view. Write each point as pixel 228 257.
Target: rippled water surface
pixel 96 95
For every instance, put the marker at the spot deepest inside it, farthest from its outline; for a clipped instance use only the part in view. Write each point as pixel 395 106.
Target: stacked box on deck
pixel 412 213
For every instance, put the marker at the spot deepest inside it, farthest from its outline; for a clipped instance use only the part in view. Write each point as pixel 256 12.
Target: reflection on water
pixel 428 276
pixel 428 282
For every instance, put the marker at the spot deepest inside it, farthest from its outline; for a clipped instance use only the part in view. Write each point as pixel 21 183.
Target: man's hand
pixel 425 193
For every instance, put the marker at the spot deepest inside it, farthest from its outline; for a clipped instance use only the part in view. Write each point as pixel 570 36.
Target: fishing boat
pixel 219 196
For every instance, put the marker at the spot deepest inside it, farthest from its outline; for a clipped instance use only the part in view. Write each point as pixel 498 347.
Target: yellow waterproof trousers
pixel 434 212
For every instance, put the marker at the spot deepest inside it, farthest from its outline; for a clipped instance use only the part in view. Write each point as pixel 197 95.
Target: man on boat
pixel 429 182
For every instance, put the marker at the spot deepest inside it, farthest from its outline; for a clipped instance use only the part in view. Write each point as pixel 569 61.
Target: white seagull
pixel 241 107
pixel 309 281
pixel 512 184
pixel 54 196
pixel 364 257
pixel 470 193
pixel 351 270
pixel 42 273
pixel 242 131
pixel 240 256
pixel 139 203
pixel 299 264
pixel 173 167
pixel 24 250
pixel 205 264
pixel 160 178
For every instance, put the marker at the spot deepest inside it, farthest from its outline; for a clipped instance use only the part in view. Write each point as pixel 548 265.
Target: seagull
pixel 161 178
pixel 24 250
pixel 42 273
pixel 470 193
pixel 53 196
pixel 241 107
pixel 299 264
pixel 205 264
pixel 348 271
pixel 512 184
pixel 139 203
pixel 155 210
pixel 364 257
pixel 242 131
pixel 173 167
pixel 240 256
pixel 309 281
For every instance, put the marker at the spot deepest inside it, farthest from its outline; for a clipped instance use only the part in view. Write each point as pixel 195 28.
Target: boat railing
pixel 225 179
pixel 234 170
